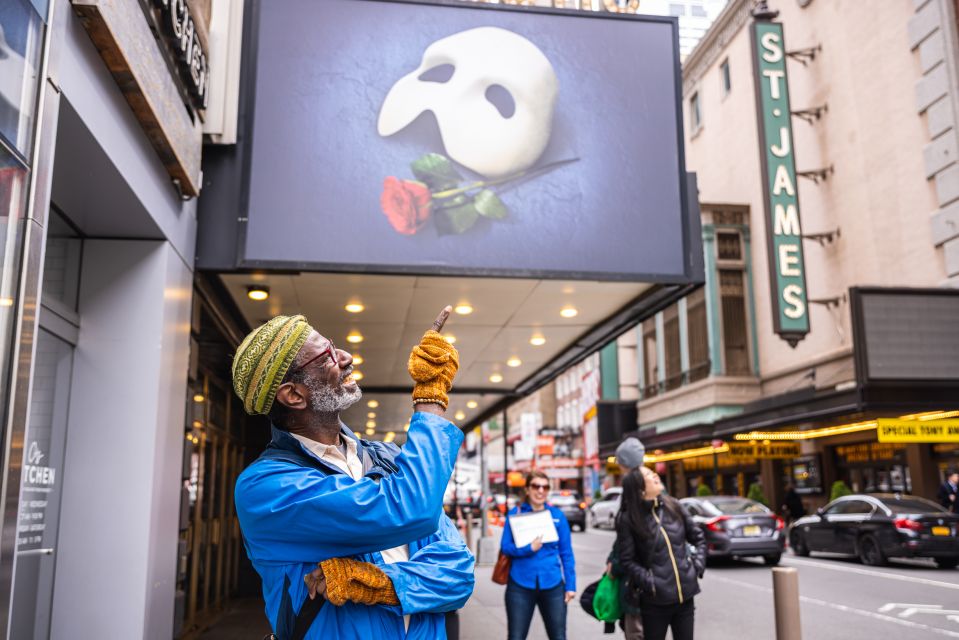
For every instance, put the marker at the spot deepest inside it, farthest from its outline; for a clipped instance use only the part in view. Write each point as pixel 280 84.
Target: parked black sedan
pixel 738 527
pixel 879 526
pixel 572 506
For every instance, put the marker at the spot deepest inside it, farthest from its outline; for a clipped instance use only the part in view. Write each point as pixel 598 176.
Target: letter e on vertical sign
pixel 781 198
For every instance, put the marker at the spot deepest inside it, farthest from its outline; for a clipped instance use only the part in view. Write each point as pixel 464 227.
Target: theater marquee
pixel 457 139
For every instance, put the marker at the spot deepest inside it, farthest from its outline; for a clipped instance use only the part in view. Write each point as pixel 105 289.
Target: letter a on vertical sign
pixel 783 230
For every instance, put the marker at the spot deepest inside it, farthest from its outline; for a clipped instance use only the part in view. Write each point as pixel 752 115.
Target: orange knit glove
pixel 359 582
pixel 433 365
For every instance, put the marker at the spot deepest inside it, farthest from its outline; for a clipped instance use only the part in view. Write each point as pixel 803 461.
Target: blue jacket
pixel 545 568
pixel 294 516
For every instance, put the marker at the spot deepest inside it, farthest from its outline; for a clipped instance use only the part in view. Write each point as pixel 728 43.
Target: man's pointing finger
pixel 442 318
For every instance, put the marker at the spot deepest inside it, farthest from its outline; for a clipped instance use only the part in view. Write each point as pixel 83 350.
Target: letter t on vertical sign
pixel 780 194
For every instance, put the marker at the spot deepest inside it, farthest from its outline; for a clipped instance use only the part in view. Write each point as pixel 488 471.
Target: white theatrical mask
pixel 474 132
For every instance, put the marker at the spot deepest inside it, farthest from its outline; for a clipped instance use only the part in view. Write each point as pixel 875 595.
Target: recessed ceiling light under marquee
pixel 257 293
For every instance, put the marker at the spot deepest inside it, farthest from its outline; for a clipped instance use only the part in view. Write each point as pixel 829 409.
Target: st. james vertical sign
pixel 783 230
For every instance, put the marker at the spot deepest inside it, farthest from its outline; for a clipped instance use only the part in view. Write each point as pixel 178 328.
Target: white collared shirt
pixel 349 464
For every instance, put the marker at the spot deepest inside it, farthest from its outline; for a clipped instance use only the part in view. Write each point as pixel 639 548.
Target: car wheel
pixel 870 553
pixel 772 559
pixel 611 521
pixel 798 544
pixel 947 563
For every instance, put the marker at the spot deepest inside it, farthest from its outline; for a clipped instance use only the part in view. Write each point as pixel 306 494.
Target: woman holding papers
pixel 654 539
pixel 543 572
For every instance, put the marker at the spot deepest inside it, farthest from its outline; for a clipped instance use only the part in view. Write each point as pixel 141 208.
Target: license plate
pixel 941 531
pixel 752 530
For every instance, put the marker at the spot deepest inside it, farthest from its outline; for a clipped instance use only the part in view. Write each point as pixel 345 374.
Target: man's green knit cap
pixel 264 357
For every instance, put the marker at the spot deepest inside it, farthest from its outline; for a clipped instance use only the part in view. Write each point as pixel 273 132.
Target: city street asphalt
pixel 840 599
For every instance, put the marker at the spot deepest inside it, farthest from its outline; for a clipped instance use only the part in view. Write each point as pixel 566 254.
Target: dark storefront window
pixel 874 466
pixel 946 457
pixel 724 474
pixel 804 473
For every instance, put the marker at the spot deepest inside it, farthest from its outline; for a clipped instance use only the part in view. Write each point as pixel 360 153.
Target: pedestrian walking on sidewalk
pixel 629 456
pixel 792 507
pixel 541 574
pixel 662 553
pixel 949 492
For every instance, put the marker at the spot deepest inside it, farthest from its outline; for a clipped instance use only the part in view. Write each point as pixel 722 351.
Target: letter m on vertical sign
pixel 783 230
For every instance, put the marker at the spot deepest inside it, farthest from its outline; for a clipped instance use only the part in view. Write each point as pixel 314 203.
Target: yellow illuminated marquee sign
pixel 761 450
pixel 893 430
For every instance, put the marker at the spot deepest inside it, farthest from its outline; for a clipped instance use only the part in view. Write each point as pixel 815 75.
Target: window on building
pixel 725 80
pixel 695 113
pixel 676 9
pixel 732 294
pixel 697 11
pixel 696 321
pixel 671 344
pixel 729 245
pixel 650 369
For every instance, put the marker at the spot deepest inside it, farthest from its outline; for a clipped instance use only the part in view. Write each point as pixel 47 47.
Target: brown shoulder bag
pixel 501 570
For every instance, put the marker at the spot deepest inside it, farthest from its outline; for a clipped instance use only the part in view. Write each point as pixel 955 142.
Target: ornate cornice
pixel 720 34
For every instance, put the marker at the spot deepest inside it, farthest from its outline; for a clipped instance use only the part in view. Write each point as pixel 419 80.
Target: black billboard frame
pixel 861 352
pixel 692 261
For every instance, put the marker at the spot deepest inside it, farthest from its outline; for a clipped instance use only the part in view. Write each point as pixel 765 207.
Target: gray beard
pixel 327 399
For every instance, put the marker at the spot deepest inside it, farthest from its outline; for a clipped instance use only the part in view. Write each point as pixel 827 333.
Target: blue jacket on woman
pixel 293 516
pixel 546 568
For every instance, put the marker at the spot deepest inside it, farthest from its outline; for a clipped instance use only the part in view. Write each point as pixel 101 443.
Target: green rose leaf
pixel 461 217
pixel 436 171
pixel 488 204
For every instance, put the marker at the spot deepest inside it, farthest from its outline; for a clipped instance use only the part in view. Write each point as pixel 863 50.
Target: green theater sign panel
pixel 783 230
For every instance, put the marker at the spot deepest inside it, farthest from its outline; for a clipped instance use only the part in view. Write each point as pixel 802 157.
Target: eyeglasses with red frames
pixel 539 487
pixel 329 350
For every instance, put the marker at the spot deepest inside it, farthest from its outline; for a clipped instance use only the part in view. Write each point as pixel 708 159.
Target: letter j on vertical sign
pixel 783 230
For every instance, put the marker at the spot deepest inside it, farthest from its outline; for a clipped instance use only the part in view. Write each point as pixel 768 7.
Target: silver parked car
pixel 738 527
pixel 603 512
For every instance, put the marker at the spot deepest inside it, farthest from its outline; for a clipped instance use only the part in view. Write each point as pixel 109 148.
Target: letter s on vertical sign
pixel 772 45
pixel 792 295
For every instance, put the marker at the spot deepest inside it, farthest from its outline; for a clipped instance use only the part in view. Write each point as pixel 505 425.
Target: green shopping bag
pixel 606 603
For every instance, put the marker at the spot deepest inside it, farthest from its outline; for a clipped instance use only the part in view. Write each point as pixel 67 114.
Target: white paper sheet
pixel 526 527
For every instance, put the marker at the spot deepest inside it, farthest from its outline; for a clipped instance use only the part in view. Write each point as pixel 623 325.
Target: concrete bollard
pixel 786 600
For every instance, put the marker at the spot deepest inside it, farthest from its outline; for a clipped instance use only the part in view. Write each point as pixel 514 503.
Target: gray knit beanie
pixel 630 452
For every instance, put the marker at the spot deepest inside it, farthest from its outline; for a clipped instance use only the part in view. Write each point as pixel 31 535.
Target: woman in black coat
pixel 660 573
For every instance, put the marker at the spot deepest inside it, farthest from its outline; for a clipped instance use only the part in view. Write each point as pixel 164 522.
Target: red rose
pixel 406 204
